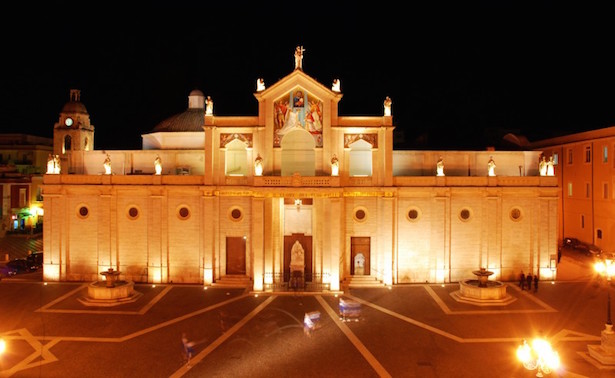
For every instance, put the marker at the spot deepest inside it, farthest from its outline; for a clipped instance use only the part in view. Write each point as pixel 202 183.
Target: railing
pixel 296 181
pixel 311 282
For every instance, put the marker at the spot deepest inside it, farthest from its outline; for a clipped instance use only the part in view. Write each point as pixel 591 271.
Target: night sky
pixel 460 76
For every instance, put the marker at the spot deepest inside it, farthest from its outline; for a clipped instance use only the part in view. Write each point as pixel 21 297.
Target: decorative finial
pixel 299 50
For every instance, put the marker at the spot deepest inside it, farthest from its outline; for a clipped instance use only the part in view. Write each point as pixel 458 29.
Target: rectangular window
pixel 555 158
pixel 605 154
pixel 588 154
pixel 569 156
pixel 22 197
pixel 587 190
pixel 569 189
pixel 582 221
pixel 599 233
pixel 605 191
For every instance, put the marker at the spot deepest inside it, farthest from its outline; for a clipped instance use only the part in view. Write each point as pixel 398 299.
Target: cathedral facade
pixel 297 196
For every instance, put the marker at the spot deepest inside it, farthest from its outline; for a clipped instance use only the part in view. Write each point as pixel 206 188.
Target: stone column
pixel 257 242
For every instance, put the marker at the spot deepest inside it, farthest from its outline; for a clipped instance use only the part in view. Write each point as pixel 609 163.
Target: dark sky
pixel 460 74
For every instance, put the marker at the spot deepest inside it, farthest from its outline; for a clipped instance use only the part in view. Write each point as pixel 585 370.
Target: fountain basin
pixel 482 292
pixel 119 290
pixel 491 290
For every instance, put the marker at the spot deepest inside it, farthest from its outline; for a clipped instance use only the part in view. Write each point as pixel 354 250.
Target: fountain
pixel 111 291
pixel 482 291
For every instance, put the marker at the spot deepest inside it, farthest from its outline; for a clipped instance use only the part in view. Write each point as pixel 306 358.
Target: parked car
pixel 571 242
pixel 594 250
pixel 35 260
pixel 14 267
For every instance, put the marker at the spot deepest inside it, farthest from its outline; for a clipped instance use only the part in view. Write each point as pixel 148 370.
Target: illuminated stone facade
pixel 386 218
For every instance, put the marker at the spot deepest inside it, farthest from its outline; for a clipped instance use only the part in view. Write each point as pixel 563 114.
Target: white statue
pixel 107 165
pixel 158 165
pixel 258 166
pixel 542 166
pixel 491 166
pixel 260 84
pixel 335 87
pixel 297 257
pixel 56 164
pixel 209 106
pixel 387 106
pixel 335 167
pixel 299 57
pixel 50 164
pixel 440 167
pixel 551 166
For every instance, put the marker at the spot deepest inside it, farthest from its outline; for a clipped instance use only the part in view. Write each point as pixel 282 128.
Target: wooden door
pixel 306 243
pixel 235 255
pixel 359 256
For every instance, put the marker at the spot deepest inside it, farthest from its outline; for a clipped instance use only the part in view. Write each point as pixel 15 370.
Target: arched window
pixel 360 158
pixel 236 158
pixel 68 142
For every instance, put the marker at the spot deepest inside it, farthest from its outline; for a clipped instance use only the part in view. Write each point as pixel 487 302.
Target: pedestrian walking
pixel 528 278
pixel 188 350
pixel 522 281
pixel 535 283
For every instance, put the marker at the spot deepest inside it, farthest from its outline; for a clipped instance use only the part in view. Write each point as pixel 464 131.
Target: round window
pixel 83 212
pixel 465 214
pixel 360 214
pixel 515 214
pixel 235 214
pixel 133 213
pixel 183 213
pixel 413 214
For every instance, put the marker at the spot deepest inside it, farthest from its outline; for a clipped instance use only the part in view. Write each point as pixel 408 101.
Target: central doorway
pixel 359 256
pixel 235 255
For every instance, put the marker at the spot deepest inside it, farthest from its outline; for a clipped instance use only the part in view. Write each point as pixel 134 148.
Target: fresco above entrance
pixel 298 109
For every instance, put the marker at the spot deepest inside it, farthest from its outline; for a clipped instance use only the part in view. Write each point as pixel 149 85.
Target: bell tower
pixel 73 134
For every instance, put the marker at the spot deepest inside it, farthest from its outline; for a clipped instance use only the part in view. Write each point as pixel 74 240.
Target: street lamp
pixel 607 268
pixel 605 352
pixel 539 356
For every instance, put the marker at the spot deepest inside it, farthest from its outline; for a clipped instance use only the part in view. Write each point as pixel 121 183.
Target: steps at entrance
pixel 236 281
pixel 361 281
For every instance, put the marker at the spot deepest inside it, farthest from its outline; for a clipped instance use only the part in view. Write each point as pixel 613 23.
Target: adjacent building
pixel 585 170
pixel 23 160
pixel 297 195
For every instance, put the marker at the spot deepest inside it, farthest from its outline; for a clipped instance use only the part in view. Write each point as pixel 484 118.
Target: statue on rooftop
pixel 158 165
pixel 209 106
pixel 335 87
pixel 551 166
pixel 542 166
pixel 107 165
pixel 260 84
pixel 491 166
pixel 440 167
pixel 387 106
pixel 299 50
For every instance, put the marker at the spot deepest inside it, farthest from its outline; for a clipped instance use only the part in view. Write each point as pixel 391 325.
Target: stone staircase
pixel 361 281
pixel 234 281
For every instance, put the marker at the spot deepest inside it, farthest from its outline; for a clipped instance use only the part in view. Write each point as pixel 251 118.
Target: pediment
pixel 295 79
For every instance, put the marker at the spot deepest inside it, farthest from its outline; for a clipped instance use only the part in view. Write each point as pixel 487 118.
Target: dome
pixel 190 120
pixel 74 107
pixel 196 92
